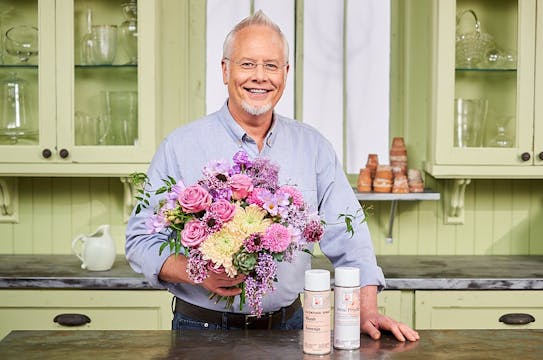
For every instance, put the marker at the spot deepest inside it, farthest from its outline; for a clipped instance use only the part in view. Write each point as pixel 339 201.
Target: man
pixel 254 68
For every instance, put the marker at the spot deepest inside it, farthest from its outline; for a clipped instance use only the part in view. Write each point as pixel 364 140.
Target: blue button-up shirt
pixel 305 158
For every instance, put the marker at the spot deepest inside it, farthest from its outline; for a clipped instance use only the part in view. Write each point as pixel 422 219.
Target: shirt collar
pixel 238 133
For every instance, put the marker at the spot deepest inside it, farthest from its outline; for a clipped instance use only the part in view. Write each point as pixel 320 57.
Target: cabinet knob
pixel 64 153
pixel 516 319
pixel 525 156
pixel 46 153
pixel 72 319
pixel 541 155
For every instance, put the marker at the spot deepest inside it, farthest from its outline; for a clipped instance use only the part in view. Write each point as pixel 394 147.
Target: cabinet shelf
pixel 18 66
pixel 114 66
pixel 428 194
pixel 496 70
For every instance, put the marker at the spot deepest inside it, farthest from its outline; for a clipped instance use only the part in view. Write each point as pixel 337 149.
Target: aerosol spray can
pixel 317 312
pixel 346 308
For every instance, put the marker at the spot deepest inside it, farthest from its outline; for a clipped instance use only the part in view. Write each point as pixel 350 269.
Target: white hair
pixel 258 18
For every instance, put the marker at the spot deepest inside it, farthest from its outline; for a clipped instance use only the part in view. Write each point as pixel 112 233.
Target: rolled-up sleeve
pixel 142 248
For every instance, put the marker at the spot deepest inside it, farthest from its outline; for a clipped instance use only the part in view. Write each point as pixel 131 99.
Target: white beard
pixel 256 110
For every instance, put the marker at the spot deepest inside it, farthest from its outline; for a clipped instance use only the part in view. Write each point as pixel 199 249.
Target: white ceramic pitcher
pixel 97 252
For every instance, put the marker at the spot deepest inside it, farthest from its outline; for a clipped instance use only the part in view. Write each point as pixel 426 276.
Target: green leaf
pixel 161 190
pixel 162 247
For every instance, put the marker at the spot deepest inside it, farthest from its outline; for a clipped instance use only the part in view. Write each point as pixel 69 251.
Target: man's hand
pixel 174 270
pixel 371 321
pixel 223 285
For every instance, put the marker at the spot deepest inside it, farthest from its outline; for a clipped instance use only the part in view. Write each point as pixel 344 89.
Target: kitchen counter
pixel 262 344
pixel 402 272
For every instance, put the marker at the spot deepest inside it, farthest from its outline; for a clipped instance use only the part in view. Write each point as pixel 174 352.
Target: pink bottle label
pixel 317 322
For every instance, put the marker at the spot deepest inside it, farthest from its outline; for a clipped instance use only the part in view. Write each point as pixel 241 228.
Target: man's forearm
pixel 174 270
pixel 368 298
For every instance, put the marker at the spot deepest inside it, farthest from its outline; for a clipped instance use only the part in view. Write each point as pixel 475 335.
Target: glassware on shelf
pixel 471 43
pixel 128 31
pixel 469 122
pixel 86 129
pixel 122 117
pixel 86 43
pixel 501 136
pixel 103 44
pixel 16 120
pixel 21 41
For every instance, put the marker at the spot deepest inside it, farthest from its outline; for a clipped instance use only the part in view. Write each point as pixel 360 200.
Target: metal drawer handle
pixel 72 319
pixel 516 319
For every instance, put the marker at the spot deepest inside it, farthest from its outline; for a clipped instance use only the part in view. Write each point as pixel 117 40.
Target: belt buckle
pixel 248 317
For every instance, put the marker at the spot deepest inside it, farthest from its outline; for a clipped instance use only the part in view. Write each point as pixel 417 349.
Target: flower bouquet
pixel 235 219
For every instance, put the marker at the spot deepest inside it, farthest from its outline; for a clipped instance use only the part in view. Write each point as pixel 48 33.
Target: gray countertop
pixel 262 344
pixel 402 272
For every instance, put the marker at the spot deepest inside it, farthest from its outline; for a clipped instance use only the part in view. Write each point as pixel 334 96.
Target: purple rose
pixel 194 199
pixel 222 210
pixel 241 186
pixel 194 232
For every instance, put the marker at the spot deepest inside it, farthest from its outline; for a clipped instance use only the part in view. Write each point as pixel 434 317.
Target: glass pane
pixel 486 74
pixel 19 72
pixel 106 84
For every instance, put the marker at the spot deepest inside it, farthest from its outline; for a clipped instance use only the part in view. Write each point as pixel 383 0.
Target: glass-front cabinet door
pixel 484 123
pixel 77 87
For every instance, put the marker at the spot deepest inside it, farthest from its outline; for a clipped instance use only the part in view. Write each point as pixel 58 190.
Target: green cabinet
pixel 485 120
pixel 89 91
pixel 106 309
pixel 477 309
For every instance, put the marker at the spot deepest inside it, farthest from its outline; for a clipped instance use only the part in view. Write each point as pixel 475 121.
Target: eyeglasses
pixel 247 65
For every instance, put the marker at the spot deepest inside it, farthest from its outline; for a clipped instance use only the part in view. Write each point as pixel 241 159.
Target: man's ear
pixel 225 74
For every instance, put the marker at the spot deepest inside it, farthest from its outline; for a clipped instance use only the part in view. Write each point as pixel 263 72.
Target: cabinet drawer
pixel 106 309
pixel 476 309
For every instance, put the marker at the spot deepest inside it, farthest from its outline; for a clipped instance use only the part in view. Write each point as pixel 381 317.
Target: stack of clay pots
pixel 367 174
pixel 382 182
pixel 398 156
pixel 414 179
pixel 395 177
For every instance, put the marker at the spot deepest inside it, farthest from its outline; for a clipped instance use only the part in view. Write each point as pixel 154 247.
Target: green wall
pixel 501 216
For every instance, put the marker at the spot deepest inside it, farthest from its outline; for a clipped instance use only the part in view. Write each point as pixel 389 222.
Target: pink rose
pixel 222 210
pixel 194 199
pixel 241 186
pixel 194 232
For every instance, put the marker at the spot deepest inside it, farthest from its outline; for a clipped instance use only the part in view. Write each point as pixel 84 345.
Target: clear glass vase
pixel 128 31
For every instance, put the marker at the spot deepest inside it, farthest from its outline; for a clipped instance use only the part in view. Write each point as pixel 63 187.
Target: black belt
pixel 243 321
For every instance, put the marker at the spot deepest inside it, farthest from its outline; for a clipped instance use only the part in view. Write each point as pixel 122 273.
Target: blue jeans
pixel 182 322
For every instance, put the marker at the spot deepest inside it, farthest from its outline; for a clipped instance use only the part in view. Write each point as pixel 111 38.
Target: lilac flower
pixel 264 173
pixel 197 266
